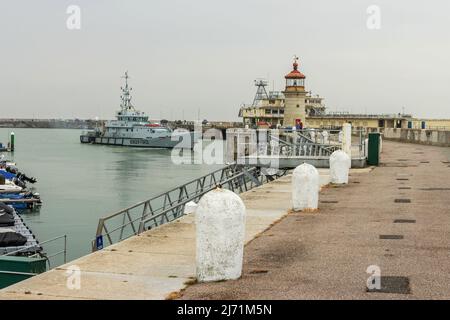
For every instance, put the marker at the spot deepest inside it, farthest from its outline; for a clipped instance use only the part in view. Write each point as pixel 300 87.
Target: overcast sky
pixel 185 56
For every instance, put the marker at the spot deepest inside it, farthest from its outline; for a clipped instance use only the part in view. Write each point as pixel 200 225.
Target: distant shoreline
pixel 83 124
pixel 50 123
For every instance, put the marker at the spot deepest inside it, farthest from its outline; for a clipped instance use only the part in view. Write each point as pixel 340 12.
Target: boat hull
pixel 166 142
pixel 14 269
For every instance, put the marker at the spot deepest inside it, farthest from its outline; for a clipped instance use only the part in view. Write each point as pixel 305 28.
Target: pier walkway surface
pixel 292 255
pixel 158 263
pixel 325 255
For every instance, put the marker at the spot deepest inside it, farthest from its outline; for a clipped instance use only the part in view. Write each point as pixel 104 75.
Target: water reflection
pixel 80 183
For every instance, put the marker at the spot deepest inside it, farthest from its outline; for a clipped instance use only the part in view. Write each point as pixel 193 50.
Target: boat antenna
pixel 126 78
pixel 126 96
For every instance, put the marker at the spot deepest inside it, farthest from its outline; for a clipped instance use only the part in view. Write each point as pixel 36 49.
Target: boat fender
pixel 6 208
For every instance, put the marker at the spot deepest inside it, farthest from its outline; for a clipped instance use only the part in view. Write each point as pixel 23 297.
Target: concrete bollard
pixel 340 163
pixel 381 143
pixel 190 207
pixel 347 139
pixel 366 147
pixel 305 187
pixel 220 222
pixel 325 137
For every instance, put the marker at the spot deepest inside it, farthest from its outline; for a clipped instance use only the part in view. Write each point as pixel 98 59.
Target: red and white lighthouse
pixel 294 97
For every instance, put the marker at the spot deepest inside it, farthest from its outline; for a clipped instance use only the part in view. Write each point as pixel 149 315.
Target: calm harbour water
pixel 79 183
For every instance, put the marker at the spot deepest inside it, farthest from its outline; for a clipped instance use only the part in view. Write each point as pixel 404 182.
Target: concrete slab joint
pixel 305 187
pixel 220 235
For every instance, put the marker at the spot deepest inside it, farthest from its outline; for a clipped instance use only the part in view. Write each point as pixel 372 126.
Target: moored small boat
pixel 20 253
pixel 3 147
pixel 14 190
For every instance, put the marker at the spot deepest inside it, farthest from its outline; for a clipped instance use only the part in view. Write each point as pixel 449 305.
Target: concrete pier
pixel 157 264
pixel 394 217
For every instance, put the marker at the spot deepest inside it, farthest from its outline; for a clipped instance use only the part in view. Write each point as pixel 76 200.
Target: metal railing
pixel 169 205
pixel 347 114
pixel 310 143
pixel 40 253
pixel 439 128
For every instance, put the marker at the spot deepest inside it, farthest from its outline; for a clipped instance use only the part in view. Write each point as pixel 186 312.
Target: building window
pixel 295 82
pixel 298 106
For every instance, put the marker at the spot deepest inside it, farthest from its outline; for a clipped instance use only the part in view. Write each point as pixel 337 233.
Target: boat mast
pixel 126 95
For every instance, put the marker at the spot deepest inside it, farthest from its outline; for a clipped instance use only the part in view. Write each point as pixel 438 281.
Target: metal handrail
pixel 210 188
pixel 171 208
pixel 18 273
pixel 151 199
pixel 160 195
pixel 303 141
pixel 64 251
pixel 235 177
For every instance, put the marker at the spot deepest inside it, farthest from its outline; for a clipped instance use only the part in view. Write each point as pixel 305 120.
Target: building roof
pixel 295 74
pixel 362 116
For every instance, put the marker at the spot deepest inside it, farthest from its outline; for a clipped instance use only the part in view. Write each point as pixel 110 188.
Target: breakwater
pixel 91 124
pixel 431 137
pixel 50 123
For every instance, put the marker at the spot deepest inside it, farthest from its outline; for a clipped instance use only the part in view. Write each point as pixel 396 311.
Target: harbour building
pixel 294 105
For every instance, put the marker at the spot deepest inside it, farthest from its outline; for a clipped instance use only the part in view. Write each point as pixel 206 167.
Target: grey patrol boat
pixel 132 128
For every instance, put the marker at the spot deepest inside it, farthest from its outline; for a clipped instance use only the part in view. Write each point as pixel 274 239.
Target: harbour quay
pixel 284 206
pixel 390 218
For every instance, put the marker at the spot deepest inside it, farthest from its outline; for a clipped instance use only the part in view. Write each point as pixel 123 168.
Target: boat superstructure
pixel 132 128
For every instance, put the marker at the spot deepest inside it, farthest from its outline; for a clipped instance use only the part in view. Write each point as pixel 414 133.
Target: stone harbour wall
pixel 430 137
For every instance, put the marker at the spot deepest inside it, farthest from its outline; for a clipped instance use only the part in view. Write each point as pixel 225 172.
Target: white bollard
pixel 340 163
pixel 305 187
pixel 347 139
pixel 381 144
pixel 220 222
pixel 325 137
pixel 190 207
pixel 366 148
